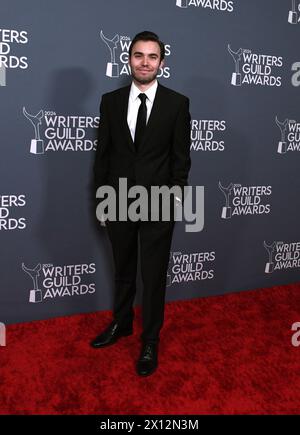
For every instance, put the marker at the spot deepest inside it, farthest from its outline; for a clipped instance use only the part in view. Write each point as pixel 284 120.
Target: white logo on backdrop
pixel 245 200
pixel 282 256
pixel 51 282
pixel 10 207
pixel 218 5
pixel 207 134
pixel 36 145
pixel 9 39
pixel 35 294
pixel 255 69
pixel 112 68
pixel 289 135
pixel 62 132
pixel 193 266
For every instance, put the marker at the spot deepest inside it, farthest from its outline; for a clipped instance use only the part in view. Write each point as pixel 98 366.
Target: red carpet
pixel 228 354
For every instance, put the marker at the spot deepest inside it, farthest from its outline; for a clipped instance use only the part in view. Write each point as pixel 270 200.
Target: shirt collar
pixel 150 93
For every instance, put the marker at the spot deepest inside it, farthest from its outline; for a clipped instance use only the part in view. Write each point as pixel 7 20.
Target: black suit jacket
pixel 164 154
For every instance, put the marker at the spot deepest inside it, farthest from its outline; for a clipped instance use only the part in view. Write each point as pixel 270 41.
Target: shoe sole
pixel 125 334
pixel 147 374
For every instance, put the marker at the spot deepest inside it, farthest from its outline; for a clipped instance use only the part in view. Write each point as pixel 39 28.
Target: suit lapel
pixel 123 106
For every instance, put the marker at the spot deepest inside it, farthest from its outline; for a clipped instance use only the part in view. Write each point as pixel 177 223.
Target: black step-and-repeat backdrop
pixel 239 63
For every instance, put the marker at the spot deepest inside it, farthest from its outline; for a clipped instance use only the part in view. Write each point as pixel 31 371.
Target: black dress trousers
pixel 155 239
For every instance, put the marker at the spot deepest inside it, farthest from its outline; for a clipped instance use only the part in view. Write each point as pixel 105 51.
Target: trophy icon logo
pixel 293 15
pixel 35 294
pixel 226 210
pixel 169 276
pixel 236 78
pixel 37 144
pixel 2 334
pixel 282 145
pixel 2 74
pixel 112 68
pixel 269 268
pixel 182 3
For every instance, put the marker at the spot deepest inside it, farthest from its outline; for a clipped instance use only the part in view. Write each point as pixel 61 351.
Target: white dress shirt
pixel 134 104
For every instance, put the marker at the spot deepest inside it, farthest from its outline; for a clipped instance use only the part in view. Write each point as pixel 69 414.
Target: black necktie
pixel 140 121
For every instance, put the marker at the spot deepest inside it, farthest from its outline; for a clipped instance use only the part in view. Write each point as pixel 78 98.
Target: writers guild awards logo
pixel 112 68
pixel 236 78
pixel 269 268
pixel 226 210
pixel 282 144
pixel 246 200
pixel 61 132
pixel 35 294
pixel 290 135
pixel 37 144
pixel 182 3
pixel 255 68
pixel 193 266
pixel 282 256
pixel 61 281
pixel 293 17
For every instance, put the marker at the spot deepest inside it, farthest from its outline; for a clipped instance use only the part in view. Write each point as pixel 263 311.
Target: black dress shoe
pixel 148 360
pixel 110 335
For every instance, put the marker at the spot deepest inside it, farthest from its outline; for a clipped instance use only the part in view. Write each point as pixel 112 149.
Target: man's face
pixel 145 61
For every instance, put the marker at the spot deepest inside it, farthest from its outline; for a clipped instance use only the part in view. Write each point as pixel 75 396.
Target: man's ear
pixel 162 63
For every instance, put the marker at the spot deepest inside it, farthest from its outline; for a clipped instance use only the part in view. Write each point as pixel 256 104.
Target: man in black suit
pixel 144 136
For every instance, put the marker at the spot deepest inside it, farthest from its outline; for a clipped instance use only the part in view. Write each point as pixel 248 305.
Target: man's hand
pixel 177 200
pixel 102 221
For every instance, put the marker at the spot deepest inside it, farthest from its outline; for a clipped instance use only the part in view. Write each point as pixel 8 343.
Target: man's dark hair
pixel 148 36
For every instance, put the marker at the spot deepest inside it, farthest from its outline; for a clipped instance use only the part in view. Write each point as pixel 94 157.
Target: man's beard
pixel 146 80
